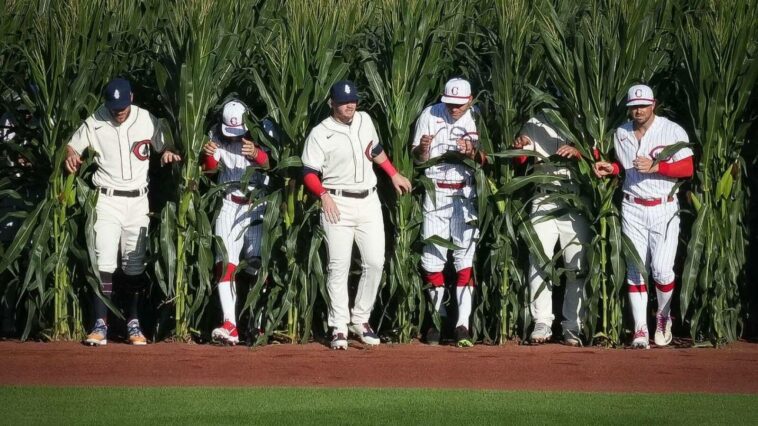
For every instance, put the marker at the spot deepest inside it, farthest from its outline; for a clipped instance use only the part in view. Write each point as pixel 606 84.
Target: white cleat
pixel 663 335
pixel 641 340
pixel 365 334
pixel 339 341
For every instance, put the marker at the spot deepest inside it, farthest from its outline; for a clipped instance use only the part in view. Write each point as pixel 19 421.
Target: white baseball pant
pixel 360 220
pixel 654 232
pixel 241 228
pixel 450 218
pixel 572 230
pixel 121 222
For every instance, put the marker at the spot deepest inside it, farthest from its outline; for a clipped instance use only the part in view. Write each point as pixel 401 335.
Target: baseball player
pixel 570 229
pixel 448 129
pixel 343 148
pixel 121 135
pixel 240 222
pixel 649 211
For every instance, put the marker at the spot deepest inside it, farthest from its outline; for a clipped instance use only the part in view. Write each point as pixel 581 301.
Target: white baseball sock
pixel 437 294
pixel 664 293
pixel 464 295
pixel 228 301
pixel 638 300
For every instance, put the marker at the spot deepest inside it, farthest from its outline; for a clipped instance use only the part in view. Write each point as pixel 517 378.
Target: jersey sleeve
pixel 313 156
pixel 158 140
pixel 82 139
pixel 681 136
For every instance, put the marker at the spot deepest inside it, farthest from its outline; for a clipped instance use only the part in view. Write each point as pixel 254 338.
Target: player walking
pixel 240 222
pixel 570 229
pixel 343 149
pixel 121 135
pixel 649 211
pixel 448 129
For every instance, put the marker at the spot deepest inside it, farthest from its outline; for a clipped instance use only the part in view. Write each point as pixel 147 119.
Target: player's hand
pixel 602 169
pixel 568 151
pixel 170 157
pixel 73 161
pixel 644 165
pixel 401 183
pixel 328 206
pixel 426 142
pixel 465 147
pixel 209 149
pixel 249 149
pixel 521 141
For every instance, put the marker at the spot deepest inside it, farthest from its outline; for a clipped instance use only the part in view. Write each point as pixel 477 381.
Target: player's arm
pixel 605 168
pixel 78 143
pixel 468 146
pixel 379 157
pixel 421 140
pixel 209 159
pixel 254 153
pixel 158 142
pixel 313 159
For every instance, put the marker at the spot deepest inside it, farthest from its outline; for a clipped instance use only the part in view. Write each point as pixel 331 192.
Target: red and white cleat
pixel 227 334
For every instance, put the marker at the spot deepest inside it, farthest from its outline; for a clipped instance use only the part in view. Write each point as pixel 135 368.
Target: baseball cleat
pixel 641 340
pixel 663 330
pixel 339 341
pixel 365 333
pixel 227 334
pixel 99 334
pixel 135 333
pixel 541 333
pixel 572 338
pixel 462 338
pixel 432 336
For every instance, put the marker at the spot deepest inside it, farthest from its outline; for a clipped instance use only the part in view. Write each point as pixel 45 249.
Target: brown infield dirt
pixel 552 367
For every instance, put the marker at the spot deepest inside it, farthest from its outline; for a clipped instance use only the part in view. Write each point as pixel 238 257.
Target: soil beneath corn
pixel 551 367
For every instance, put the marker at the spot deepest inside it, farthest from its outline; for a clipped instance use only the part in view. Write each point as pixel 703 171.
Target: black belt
pixel 120 193
pixel 351 194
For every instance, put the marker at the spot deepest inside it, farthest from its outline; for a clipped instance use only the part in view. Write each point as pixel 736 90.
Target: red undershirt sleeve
pixel 683 168
pixel 313 184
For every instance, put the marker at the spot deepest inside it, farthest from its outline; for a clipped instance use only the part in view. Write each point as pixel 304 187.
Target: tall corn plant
pixel 66 52
pixel 404 63
pixel 195 53
pixel 591 61
pixel 301 55
pixel 718 69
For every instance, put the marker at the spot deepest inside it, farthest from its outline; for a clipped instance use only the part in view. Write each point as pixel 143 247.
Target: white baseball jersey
pixel 342 152
pixel 662 133
pixel 123 151
pixel 229 154
pixel 436 121
pixel 546 141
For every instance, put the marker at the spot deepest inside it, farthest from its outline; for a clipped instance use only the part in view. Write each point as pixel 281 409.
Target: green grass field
pixel 87 405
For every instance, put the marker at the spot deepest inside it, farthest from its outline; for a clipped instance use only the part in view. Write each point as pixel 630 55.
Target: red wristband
pixel 616 169
pixel 313 184
pixel 260 157
pixel 209 163
pixel 520 160
pixel 388 168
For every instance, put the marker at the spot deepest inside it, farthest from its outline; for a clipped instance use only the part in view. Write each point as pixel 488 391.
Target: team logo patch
pixel 656 151
pixel 116 94
pixel 454 90
pixel 347 88
pixel 638 93
pixel 368 150
pixel 141 149
pixel 234 122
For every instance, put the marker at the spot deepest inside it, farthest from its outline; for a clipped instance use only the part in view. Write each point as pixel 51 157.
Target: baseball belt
pixel 352 194
pixel 648 202
pixel 121 193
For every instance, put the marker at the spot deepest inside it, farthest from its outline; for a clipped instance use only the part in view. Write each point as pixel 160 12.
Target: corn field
pixel 572 61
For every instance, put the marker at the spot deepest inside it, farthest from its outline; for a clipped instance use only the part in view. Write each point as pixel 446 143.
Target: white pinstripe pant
pixel 654 232
pixel 450 218
pixel 572 230
pixel 121 223
pixel 241 228
pixel 360 222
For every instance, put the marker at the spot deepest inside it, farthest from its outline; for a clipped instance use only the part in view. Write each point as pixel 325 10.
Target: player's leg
pixel 252 254
pixel 541 290
pixel 438 209
pixel 230 226
pixel 369 237
pixel 464 233
pixel 664 238
pixel 339 239
pixel 107 235
pixel 634 226
pixel 574 236
pixel 133 246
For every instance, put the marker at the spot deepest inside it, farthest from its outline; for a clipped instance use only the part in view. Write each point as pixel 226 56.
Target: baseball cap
pixel 232 119
pixel 118 94
pixel 640 94
pixel 343 91
pixel 457 92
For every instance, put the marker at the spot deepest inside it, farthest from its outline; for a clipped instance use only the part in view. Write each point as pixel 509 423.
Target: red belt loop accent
pixel 456 185
pixel 648 202
pixel 238 200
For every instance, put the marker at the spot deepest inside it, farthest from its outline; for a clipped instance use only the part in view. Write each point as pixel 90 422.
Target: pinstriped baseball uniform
pixel 570 229
pixel 239 225
pixel 342 153
pixel 450 213
pixel 122 155
pixel 654 230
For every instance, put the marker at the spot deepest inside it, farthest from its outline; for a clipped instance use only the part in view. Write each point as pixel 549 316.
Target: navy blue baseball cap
pixel 118 94
pixel 343 91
